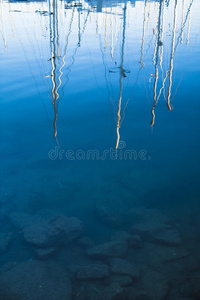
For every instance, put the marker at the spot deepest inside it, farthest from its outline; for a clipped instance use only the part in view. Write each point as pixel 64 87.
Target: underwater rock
pixel 155 255
pixel 108 217
pixel 191 286
pixel 190 263
pixel 6 195
pixel 121 236
pixel 112 292
pixel 155 285
pixel 93 271
pixel 8 266
pixel 54 231
pixel 6 200
pixel 21 219
pixel 135 242
pixel 168 237
pixel 172 253
pixel 131 293
pixel 123 267
pixel 73 257
pixel 5 239
pixel 84 242
pixel 111 249
pixel 44 253
pixel 148 230
pixel 122 280
pixel 36 280
pixel 88 290
pixel 143 215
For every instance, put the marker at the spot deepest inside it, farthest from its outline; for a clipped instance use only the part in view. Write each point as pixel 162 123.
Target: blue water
pixel 100 108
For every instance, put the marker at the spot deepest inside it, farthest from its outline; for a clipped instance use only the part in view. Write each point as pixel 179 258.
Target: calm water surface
pixel 100 121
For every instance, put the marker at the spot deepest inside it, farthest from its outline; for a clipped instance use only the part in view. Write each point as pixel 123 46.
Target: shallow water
pixel 100 121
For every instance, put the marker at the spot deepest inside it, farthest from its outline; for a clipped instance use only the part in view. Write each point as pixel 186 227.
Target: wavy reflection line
pixel 182 21
pixel 188 33
pixel 140 61
pixel 105 30
pixel 161 56
pixel 75 51
pixel 11 19
pixel 57 31
pixel 188 12
pixel 53 73
pixel 143 35
pixel 169 72
pixel 53 63
pixel 79 26
pixel 171 60
pixel 3 26
pixel 111 33
pixel 65 50
pixel 161 37
pixel 158 44
pixel 120 80
pixel 116 11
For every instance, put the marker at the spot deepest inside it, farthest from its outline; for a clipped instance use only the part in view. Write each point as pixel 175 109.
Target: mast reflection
pixel 147 46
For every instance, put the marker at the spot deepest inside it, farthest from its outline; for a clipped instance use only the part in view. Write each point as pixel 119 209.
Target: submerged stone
pixel 6 195
pixel 5 239
pixel 45 253
pixel 21 219
pixel 155 255
pixel 155 285
pixel 35 280
pixel 144 215
pixel 54 231
pixel 135 242
pixel 84 242
pixel 122 280
pixel 112 292
pixel 148 230
pixel 88 290
pixel 191 286
pixel 168 237
pixel 93 271
pixel 108 216
pixel 121 236
pixel 111 249
pixel 123 267
pixel 131 293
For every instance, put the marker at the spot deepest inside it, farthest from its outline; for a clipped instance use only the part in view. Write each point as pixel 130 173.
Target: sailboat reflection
pixel 105 20
pixel 54 45
pixel 159 43
pixel 53 23
pixel 171 60
pixel 122 74
pixel 3 26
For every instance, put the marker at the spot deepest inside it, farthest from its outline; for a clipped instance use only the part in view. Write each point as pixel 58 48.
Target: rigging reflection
pixel 154 28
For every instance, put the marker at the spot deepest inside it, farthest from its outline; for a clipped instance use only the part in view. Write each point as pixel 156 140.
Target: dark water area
pixel 99 148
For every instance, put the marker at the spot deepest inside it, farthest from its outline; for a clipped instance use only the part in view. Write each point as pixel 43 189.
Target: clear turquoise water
pixel 74 58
